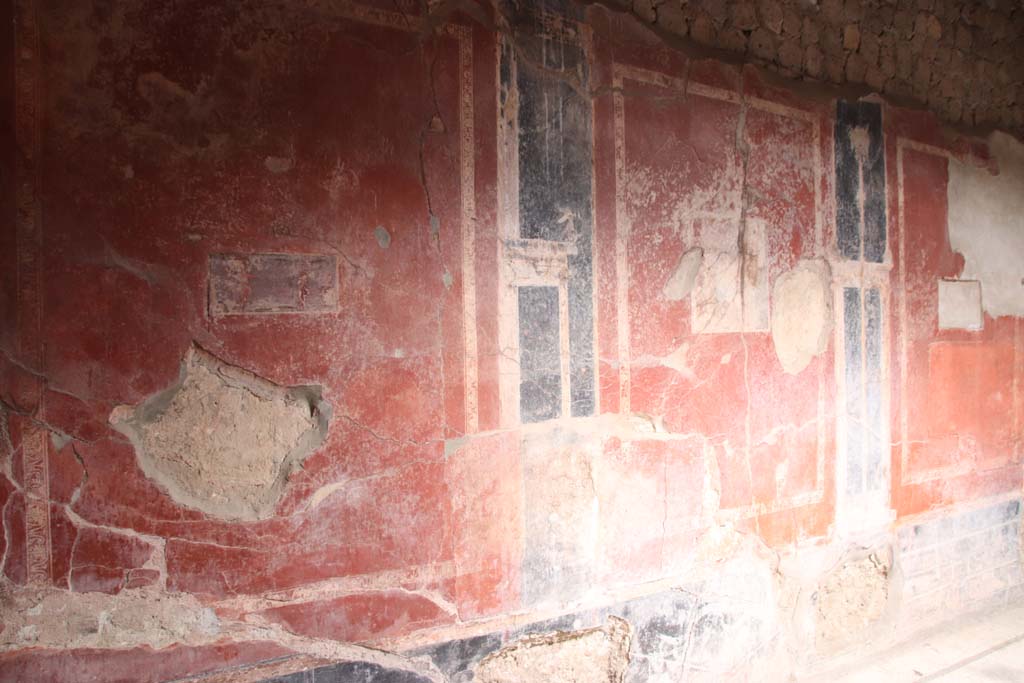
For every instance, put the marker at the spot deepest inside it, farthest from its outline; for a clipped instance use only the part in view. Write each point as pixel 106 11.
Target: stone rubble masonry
pixel 963 60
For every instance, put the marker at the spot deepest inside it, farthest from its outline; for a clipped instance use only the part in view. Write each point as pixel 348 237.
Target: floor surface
pixel 983 648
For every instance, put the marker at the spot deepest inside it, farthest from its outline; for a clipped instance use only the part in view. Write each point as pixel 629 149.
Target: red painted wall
pixel 152 137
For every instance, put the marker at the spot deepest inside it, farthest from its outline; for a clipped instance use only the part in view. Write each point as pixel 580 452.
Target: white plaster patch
pixel 680 284
pixel 731 289
pixel 801 314
pixel 986 225
pixel 960 305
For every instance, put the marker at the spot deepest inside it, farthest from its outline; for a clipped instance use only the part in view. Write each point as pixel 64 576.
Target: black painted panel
pixel 540 387
pixel 297 677
pixel 364 672
pixel 457 658
pixel 555 166
pixel 860 182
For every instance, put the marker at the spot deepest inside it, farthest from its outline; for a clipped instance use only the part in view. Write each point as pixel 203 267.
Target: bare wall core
pixel 223 440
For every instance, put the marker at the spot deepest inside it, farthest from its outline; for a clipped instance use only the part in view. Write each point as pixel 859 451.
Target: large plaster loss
pixel 851 601
pixel 596 655
pixel 986 225
pixel 223 440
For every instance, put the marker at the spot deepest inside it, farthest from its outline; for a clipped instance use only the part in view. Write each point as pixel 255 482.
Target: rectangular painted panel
pixel 554 146
pixel 540 365
pixel 854 391
pixel 252 284
pixel 555 165
pixel 860 181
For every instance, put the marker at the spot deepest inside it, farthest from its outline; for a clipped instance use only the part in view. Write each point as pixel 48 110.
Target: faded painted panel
pixel 875 451
pixel 854 387
pixel 243 284
pixel 560 516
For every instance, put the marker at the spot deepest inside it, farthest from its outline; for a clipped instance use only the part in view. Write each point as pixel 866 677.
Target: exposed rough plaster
pixel 223 440
pixel 851 599
pixel 801 314
pixel 986 225
pixel 132 618
pixel 680 284
pixel 598 655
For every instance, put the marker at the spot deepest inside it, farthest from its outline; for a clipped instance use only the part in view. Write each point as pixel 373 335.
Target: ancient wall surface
pixel 500 344
pixel 963 59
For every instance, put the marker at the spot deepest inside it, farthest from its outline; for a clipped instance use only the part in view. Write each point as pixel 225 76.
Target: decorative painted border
pixel 622 72
pixel 467 171
pixel 29 230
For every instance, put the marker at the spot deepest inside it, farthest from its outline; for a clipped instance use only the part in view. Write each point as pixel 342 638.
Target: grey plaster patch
pixel 986 225
pixel 680 284
pixel 223 440
pixel 960 305
pixel 383 237
pixel 801 314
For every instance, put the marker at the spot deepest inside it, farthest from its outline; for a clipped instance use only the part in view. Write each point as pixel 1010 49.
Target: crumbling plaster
pixel 223 440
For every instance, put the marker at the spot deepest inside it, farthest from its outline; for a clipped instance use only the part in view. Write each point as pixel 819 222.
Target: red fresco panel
pixel 681 167
pixel 485 480
pixel 959 397
pixel 631 535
